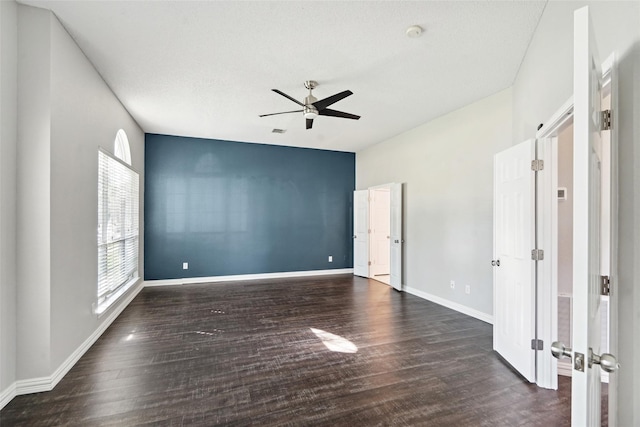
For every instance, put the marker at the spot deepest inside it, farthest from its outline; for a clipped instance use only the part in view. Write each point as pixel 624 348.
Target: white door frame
pixel 548 235
pixel 397 241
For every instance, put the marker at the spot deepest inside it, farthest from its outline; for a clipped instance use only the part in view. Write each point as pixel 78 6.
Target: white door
pixel 396 236
pixel 514 281
pixel 361 233
pixel 587 92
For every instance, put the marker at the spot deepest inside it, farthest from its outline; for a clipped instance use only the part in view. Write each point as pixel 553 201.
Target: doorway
pixel 564 257
pixel 380 241
pixel 377 239
pixel 591 85
pixel 551 298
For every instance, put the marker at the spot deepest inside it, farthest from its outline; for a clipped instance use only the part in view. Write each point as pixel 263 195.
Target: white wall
pixel 8 137
pixel 85 115
pixel 33 174
pixel 545 78
pixel 65 112
pixel 543 83
pixel 446 166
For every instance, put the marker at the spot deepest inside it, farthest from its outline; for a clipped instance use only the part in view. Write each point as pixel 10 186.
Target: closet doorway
pixel 544 315
pixel 380 240
pixel 377 239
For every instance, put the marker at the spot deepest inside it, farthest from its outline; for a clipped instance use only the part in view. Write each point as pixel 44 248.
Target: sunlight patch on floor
pixel 335 342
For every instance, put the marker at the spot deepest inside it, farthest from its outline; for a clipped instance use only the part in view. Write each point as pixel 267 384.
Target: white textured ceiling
pixel 206 69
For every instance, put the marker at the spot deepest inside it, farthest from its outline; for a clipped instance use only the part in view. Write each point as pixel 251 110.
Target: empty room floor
pixel 329 351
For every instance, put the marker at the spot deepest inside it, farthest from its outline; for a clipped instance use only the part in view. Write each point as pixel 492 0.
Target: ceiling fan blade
pixel 288 97
pixel 309 123
pixel 324 103
pixel 336 113
pixel 284 112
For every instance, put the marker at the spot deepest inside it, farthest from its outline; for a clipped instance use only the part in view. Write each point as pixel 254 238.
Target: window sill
pixel 106 304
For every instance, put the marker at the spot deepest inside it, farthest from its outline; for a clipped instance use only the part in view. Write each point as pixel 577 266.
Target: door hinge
pixel 605 285
pixel 537 345
pixel 537 165
pixel 537 254
pixel 369 231
pixel 605 120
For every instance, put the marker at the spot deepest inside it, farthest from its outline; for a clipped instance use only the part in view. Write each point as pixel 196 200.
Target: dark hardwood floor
pixel 244 353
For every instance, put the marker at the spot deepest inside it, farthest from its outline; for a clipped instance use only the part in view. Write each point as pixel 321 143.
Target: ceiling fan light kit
pixel 310 112
pixel 312 108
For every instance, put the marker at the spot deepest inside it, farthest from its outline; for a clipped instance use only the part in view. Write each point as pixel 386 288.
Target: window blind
pixel 118 231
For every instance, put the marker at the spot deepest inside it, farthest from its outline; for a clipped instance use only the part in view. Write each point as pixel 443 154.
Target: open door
pixel 514 269
pixel 361 233
pixel 587 358
pixel 396 236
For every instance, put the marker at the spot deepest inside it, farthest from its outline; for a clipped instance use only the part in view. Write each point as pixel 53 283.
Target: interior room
pixel 183 238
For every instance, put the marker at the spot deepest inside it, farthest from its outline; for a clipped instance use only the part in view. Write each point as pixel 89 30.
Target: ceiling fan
pixel 312 108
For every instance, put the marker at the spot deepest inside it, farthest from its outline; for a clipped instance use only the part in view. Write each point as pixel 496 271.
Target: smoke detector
pixel 414 31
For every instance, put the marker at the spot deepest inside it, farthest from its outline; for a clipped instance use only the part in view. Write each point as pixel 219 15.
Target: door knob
pixel 355 237
pixel 498 263
pixel 559 350
pixel 607 362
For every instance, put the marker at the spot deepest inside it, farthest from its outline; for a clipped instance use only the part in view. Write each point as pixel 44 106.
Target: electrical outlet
pixel 467 289
pixel 185 265
pixel 330 258
pixel 453 284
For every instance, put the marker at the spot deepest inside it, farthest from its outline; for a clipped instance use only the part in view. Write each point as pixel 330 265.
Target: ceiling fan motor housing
pixel 310 112
pixel 310 84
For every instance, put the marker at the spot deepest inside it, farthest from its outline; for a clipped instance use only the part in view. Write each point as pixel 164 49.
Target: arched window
pixel 121 148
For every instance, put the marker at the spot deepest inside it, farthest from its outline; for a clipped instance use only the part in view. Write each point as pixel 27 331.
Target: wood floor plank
pixel 246 353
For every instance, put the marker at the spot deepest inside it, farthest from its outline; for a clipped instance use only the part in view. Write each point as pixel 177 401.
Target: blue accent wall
pixel 231 208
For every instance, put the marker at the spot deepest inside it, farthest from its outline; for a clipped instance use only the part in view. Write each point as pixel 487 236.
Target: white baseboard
pixel 564 369
pixel 452 305
pixel 239 277
pixel 7 395
pixel 37 385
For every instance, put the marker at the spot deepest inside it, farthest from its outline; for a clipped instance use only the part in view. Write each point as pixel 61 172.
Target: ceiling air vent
pixel 278 131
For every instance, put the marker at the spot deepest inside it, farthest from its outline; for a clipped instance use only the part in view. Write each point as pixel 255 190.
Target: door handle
pixel 607 362
pixel 355 237
pixel 559 350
